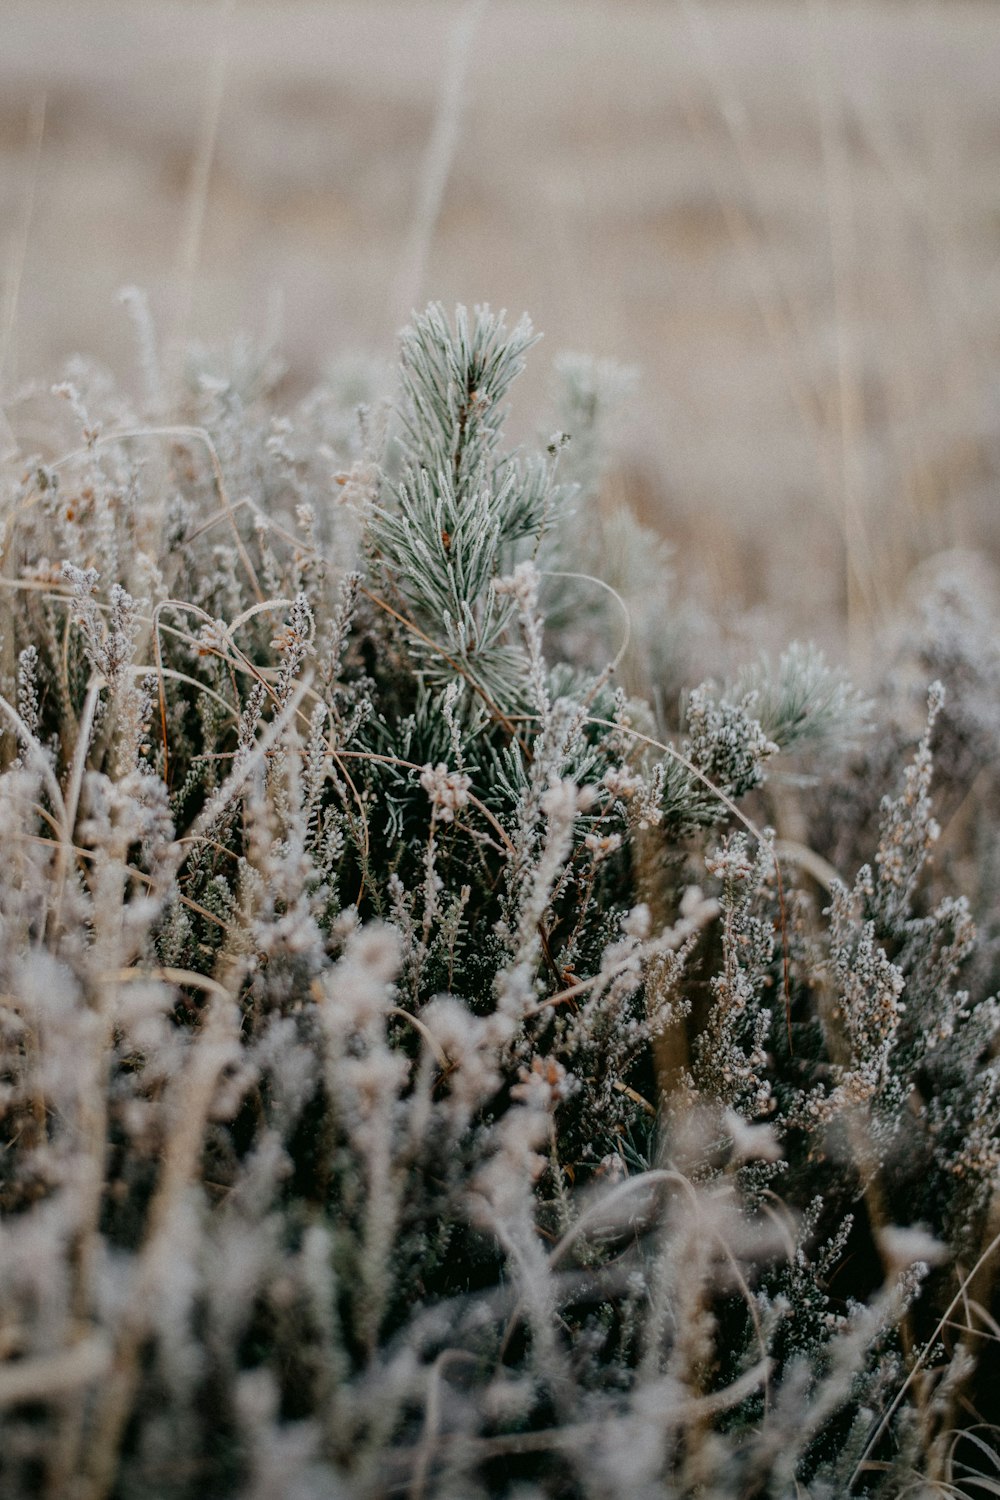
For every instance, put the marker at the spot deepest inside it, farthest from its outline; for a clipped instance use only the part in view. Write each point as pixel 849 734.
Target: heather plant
pixel 425 1071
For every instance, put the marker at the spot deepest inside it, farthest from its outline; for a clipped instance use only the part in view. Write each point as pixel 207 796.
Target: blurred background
pixel 784 213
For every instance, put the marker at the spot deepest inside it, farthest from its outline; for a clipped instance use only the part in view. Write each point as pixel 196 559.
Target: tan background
pixel 786 214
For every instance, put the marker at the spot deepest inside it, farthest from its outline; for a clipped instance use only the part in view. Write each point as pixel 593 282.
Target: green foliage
pixel 417 1077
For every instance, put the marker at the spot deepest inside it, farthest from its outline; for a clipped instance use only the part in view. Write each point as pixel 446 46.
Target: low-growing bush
pixel 425 1071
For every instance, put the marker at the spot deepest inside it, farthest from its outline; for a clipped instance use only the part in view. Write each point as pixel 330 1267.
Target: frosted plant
pixel 730 1053
pixel 422 1069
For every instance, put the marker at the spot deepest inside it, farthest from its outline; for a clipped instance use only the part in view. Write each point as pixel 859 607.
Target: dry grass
pixel 786 214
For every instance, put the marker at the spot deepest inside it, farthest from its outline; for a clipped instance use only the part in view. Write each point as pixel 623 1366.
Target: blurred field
pixel 787 215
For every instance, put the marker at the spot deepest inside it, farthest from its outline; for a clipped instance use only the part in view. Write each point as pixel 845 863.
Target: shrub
pixel 423 1072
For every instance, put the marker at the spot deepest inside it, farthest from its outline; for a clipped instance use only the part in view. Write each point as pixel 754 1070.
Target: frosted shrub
pixel 423 1071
